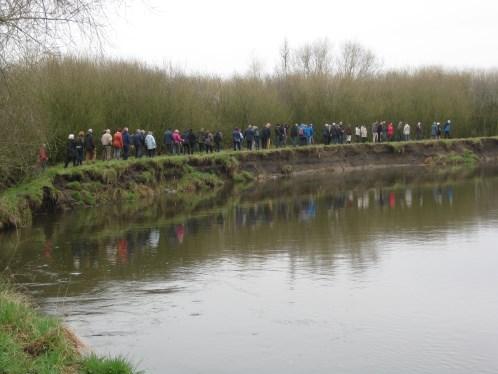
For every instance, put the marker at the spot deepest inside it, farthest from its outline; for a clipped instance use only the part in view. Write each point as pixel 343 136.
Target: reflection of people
pixel 449 193
pixel 47 249
pixel 154 237
pixel 408 197
pixel 180 232
pixel 122 254
pixel 392 200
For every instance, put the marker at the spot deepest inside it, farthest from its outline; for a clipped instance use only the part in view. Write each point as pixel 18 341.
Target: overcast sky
pixel 225 36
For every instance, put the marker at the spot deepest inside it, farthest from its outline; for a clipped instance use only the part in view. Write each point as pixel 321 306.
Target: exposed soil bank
pixel 186 179
pixel 345 158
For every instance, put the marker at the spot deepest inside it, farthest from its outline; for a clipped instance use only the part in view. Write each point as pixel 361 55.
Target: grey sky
pixel 224 36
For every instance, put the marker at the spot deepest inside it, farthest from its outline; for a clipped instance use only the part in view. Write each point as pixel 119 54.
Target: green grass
pixel 33 343
pixel 106 365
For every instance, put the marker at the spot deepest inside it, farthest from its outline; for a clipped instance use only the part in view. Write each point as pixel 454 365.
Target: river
pixel 377 272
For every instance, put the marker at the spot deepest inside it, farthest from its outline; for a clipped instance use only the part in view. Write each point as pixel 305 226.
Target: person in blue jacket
pixel 126 143
pixel 447 129
pixel 168 141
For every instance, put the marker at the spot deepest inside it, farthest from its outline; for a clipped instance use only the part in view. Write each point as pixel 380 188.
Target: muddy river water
pixel 391 273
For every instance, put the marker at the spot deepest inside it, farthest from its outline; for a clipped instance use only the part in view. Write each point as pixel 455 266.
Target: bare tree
pixel 321 58
pixel 303 59
pixel 40 26
pixel 285 55
pixel 355 61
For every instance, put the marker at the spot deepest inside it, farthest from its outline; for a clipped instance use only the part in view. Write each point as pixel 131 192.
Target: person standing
pixel 189 142
pixel 294 133
pixel 43 157
pixel 447 129
pixel 177 142
pixel 406 132
pixel 418 131
pixel 364 133
pixel 79 145
pixel 349 134
pixel 150 144
pixel 379 132
pixel 168 141
pixel 70 151
pixel 249 136
pixel 117 143
pixel 434 130
pixel 390 131
pixel 265 136
pixel 137 142
pixel 200 140
pixel 375 134
pixel 208 142
pixel 357 134
pixel 126 143
pixel 107 144
pixel 326 134
pixel 193 140
pixel 257 138
pixel 340 133
pixel 399 131
pixel 89 146
pixel 237 139
pixel 218 139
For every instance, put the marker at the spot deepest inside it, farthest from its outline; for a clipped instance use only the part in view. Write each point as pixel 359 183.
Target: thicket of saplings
pixel 43 102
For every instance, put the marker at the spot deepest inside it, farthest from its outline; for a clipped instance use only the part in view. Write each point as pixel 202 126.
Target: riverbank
pixel 33 343
pixel 185 180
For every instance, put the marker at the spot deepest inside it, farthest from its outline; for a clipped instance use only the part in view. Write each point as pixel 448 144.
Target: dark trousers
pixel 70 158
pixel 187 149
pixel 138 151
pixel 236 146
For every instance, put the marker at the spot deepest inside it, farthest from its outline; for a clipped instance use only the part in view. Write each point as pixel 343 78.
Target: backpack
pixel 301 131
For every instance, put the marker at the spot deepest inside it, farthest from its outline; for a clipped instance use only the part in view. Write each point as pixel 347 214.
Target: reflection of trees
pixel 309 228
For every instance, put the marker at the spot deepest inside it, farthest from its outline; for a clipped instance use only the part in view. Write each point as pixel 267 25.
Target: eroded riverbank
pixel 187 179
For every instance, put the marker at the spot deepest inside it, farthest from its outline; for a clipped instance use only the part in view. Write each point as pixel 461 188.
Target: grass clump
pixel 33 343
pixel 107 365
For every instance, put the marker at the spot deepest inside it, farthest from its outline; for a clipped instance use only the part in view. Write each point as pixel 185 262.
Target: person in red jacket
pixel 117 144
pixel 177 142
pixel 390 131
pixel 43 157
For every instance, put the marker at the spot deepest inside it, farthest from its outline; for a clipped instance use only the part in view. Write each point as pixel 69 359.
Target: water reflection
pixel 318 225
pixel 358 265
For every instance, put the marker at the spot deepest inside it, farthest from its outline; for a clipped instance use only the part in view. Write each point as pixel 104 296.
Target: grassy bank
pixel 181 178
pixel 33 343
pixel 186 179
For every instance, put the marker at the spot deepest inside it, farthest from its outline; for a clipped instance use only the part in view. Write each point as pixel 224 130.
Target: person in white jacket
pixel 364 133
pixel 357 133
pixel 406 132
pixel 150 144
pixel 106 141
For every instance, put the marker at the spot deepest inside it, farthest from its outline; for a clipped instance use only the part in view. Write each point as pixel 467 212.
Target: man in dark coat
pixel 89 146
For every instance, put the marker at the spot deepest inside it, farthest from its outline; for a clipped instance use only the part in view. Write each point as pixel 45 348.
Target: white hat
pixel 71 136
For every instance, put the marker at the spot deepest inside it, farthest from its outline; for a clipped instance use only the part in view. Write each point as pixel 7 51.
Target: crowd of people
pixel 122 144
